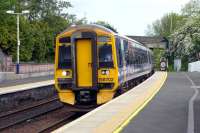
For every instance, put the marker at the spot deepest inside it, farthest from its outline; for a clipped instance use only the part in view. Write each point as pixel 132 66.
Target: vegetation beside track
pixel 183 31
pixel 37 29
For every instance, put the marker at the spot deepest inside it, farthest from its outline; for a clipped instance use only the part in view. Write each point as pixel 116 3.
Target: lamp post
pixel 18 39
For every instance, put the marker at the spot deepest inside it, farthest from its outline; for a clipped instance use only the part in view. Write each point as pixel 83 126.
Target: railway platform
pixel 25 81
pixel 25 84
pixel 161 104
pixel 16 93
pixel 110 116
pixel 171 110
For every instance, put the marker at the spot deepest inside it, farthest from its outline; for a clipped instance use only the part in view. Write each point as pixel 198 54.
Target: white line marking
pixel 195 87
pixel 190 128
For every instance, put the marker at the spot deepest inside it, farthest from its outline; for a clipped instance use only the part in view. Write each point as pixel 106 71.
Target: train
pixel 93 64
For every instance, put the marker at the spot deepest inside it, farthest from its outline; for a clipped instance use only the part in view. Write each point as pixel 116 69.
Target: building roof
pixel 149 40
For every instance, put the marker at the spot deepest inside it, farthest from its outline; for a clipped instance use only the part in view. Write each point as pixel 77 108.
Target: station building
pixel 158 44
pixel 152 42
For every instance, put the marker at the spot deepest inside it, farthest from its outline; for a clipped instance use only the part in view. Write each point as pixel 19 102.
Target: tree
pixel 166 25
pixel 186 39
pixel 43 9
pixel 37 30
pixel 183 31
pixel 7 28
pixel 191 9
pixel 157 54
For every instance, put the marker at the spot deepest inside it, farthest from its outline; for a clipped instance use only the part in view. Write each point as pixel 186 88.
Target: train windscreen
pixel 64 60
pixel 105 56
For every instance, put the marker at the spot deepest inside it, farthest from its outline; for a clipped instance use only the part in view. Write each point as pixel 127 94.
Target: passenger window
pixel 119 52
pixel 125 43
pixel 133 58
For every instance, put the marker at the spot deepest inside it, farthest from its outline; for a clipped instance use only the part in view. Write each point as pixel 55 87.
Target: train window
pixel 133 57
pixel 119 52
pixel 136 61
pixel 64 60
pixel 65 40
pixel 103 39
pixel 125 43
pixel 105 56
pixel 142 58
pixel 148 55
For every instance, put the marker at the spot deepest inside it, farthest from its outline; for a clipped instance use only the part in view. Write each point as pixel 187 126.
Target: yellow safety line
pixel 126 122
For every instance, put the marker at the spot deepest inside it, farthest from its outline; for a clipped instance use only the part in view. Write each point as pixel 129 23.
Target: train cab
pixel 85 65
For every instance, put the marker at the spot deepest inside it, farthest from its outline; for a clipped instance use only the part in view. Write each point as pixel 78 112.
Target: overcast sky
pixel 129 17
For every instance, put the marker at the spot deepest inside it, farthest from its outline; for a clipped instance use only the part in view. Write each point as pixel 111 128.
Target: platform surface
pixel 168 111
pixel 25 81
pixel 25 84
pixel 108 117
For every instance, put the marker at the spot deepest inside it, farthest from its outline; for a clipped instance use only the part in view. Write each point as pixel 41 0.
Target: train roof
pixel 92 26
pixel 88 26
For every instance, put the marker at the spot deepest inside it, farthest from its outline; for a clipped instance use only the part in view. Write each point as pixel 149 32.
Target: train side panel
pixel 133 60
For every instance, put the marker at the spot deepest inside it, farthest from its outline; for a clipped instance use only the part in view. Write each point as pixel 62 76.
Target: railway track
pixel 45 123
pixel 40 117
pixel 57 123
pixel 43 116
pixel 14 117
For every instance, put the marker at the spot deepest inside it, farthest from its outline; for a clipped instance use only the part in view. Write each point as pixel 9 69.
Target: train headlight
pixel 105 72
pixel 65 73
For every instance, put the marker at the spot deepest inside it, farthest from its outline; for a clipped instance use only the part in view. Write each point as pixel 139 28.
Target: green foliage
pixel 37 30
pixel 191 9
pixel 170 68
pixel 157 54
pixel 183 31
pixel 185 40
pixel 166 25
pixel 184 65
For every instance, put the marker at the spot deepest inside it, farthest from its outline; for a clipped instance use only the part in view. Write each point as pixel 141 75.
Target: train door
pixel 84 62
